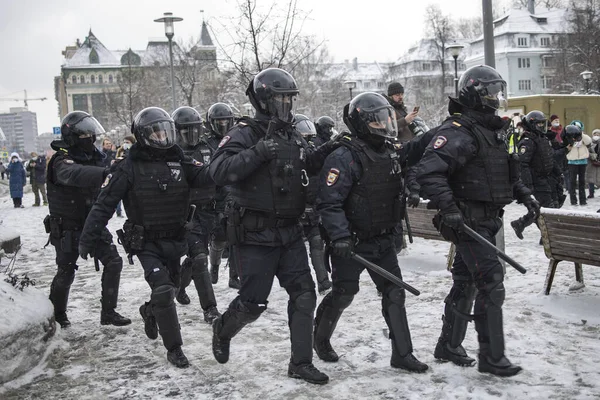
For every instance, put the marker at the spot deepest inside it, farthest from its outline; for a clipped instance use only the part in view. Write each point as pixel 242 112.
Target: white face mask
pixel 126 146
pixel 555 123
pixel 596 138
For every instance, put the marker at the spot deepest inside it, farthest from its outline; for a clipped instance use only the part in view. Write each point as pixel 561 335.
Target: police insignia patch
pixel 440 142
pixel 224 141
pixel 523 150
pixel 333 176
pixel 68 161
pixel 197 163
pixel 106 181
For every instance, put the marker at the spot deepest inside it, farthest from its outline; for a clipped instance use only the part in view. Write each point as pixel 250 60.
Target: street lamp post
pixel 168 20
pixel 455 50
pixel 350 85
pixel 587 76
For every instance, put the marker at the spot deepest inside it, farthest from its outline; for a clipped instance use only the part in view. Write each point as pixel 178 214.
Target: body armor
pixel 205 195
pixel 543 159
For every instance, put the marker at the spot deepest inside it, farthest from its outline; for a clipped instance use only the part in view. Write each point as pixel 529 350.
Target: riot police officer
pixel 310 218
pixel 325 130
pixel 469 176
pixel 154 183
pixel 267 162
pixel 189 126
pixel 358 200
pixel 219 120
pixel 75 173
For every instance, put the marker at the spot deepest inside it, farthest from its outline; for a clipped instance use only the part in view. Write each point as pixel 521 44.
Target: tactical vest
pixel 277 187
pixel 543 159
pixel 486 177
pixel 205 195
pixel 159 198
pixel 71 204
pixel 374 201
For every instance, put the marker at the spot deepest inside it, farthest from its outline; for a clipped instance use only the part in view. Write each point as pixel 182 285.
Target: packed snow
pixel 554 338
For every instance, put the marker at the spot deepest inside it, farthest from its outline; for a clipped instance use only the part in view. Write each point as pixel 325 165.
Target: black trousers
pixel 577 173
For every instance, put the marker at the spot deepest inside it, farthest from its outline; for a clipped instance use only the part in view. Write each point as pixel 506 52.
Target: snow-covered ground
pixel 555 338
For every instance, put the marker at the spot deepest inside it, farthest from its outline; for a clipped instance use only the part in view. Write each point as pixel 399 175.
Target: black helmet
pixel 370 113
pixel 573 132
pixel 188 124
pixel 154 127
pixel 79 124
pixel 305 126
pixel 273 92
pixel 535 122
pixel 481 88
pixel 325 126
pixel 219 118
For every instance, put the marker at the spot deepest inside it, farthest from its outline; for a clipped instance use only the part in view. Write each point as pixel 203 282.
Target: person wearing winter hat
pixel 37 169
pixel 123 152
pixel 395 96
pixel 556 127
pixel 17 178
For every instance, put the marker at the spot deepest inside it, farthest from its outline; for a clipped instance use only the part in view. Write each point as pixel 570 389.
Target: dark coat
pixel 37 173
pixel 17 179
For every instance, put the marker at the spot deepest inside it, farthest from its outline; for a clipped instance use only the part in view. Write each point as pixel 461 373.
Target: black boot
pixel 59 292
pixel 307 372
pixel 408 362
pixel 186 277
pixel 499 367
pixel 234 279
pixel 150 326
pixel 518 226
pixel 214 274
pixel 324 286
pixel 165 312
pixel 202 281
pixel 211 314
pixel 111 317
pixel 215 261
pixel 328 314
pixel 177 358
pixel 220 346
pixel 182 297
pixel 62 319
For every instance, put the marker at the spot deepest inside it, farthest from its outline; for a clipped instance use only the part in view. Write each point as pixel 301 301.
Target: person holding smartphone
pixel 395 97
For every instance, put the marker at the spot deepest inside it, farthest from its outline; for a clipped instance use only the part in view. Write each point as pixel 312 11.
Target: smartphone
pixel 416 109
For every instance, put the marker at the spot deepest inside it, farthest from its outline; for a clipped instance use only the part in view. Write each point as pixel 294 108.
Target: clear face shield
pixel 541 126
pixel 160 134
pixel 381 122
pixel 191 134
pixel 221 126
pixel 282 106
pixel 306 128
pixel 88 126
pixel 492 94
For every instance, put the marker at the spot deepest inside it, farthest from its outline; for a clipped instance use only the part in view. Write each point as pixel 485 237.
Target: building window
pixel 426 67
pixel 525 84
pixel 367 85
pixel 80 102
pixel 100 79
pixel 74 79
pixel 548 62
pixel 524 63
pixel 82 79
pixel 110 79
pixel 93 79
pixel 545 42
pixel 547 82
pixel 380 85
pixel 522 42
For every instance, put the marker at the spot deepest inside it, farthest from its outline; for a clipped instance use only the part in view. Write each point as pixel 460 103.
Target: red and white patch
pixel 197 163
pixel 224 141
pixel 333 176
pixel 440 142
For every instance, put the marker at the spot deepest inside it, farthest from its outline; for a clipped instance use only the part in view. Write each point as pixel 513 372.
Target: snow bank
pixel 26 325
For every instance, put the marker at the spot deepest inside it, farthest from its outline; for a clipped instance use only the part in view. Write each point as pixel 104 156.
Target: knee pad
pixel 495 292
pixel 162 296
pixel 340 299
pixel 160 277
pixel 218 244
pixel 66 274
pixel 249 308
pixel 304 283
pixel 396 296
pixel 197 248
pixel 306 302
pixel 346 288
pixel 315 242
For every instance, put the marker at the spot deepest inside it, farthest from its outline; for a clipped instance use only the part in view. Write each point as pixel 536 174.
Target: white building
pixel 523 47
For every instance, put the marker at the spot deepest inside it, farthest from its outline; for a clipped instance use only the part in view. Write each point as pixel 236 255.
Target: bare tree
pixel 469 28
pixel 542 3
pixel 440 29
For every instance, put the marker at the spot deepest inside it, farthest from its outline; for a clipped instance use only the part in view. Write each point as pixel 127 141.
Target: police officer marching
pixel 154 183
pixel 469 176
pixel 189 126
pixel 359 203
pixel 267 162
pixel 75 173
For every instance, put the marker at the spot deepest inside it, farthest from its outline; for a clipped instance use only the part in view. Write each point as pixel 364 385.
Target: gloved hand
pixel 84 251
pixel 266 149
pixel 343 247
pixel 413 199
pixel 533 206
pixel 454 220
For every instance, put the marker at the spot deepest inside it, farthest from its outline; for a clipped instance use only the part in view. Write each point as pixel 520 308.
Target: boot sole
pixel 128 322
pixel 418 371
pixel 296 376
pixel 443 358
pixel 330 360
pixel 152 335
pixel 500 372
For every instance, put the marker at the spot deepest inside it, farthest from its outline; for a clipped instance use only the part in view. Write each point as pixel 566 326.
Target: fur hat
pixel 395 88
pixel 553 117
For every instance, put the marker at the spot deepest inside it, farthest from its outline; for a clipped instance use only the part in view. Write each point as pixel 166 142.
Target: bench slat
pixel 583 257
pixel 573 229
pixel 574 241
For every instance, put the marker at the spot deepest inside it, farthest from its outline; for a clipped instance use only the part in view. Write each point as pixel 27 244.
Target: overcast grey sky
pixel 34 32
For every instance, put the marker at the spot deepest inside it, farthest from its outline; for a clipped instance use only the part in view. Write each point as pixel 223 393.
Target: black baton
pixel 489 245
pixel 386 274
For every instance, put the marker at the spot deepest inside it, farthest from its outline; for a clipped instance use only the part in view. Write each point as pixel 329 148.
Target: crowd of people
pixel 260 186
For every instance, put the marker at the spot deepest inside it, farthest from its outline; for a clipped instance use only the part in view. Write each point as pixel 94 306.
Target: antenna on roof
pixel 202 12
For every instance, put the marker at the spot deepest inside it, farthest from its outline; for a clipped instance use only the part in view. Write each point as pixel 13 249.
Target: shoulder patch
pixel 106 181
pixel 523 150
pixel 197 163
pixel 333 176
pixel 440 142
pixel 224 141
pixel 69 161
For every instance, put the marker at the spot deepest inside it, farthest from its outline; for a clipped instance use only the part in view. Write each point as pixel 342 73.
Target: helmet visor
pixel 381 122
pixel 221 126
pixel 282 106
pixel 541 126
pixel 159 134
pixel 190 134
pixel 492 93
pixel 306 128
pixel 87 126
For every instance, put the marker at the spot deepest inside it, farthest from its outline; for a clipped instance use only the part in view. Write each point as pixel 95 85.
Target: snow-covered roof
pixel 205 39
pixel 426 50
pixel 358 71
pixel 81 58
pixel 519 20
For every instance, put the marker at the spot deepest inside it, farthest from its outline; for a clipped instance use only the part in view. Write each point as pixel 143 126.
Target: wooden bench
pixel 572 236
pixel 420 222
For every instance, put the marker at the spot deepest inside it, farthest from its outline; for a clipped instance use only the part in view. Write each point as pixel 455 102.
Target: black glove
pixel 454 220
pixel 343 247
pixel 266 149
pixel 533 206
pixel 84 251
pixel 413 199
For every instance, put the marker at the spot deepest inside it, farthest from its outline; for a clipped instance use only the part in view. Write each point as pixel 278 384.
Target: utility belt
pixel 63 232
pixel 242 220
pixel 367 235
pixel 474 212
pixel 133 237
pixel 210 206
